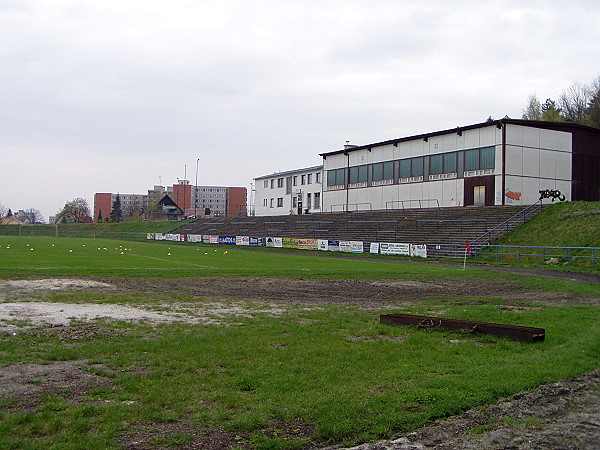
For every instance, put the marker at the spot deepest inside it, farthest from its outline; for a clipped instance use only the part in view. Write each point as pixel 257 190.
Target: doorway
pixel 479 195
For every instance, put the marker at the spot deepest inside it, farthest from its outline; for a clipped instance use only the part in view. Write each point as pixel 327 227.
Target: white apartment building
pixel 292 192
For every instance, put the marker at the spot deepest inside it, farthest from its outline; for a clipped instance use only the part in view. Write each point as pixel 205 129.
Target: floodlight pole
pixel 196 191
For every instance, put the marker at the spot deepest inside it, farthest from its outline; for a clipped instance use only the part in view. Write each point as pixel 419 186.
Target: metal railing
pixel 429 201
pixel 345 207
pixel 440 221
pixel 508 224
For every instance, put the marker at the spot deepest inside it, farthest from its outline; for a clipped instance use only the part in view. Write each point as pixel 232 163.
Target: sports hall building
pixel 501 162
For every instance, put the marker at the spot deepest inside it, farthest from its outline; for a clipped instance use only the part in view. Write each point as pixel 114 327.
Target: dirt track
pixel 563 415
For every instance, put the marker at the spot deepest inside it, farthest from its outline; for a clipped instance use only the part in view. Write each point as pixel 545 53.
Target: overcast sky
pixel 117 95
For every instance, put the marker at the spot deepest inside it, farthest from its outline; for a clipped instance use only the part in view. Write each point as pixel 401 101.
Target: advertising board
pixel 307 244
pixel 322 244
pixel 290 243
pixel 393 248
pixel 194 238
pixel 274 242
pixel 242 240
pixel 419 250
pixel 374 248
pixel 213 239
pixel 257 241
pixel 356 247
pixel 344 246
pixel 227 240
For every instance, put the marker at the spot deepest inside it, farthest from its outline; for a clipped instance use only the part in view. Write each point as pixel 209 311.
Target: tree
pixel 116 214
pixel 3 211
pixel 593 109
pixel 99 216
pixel 533 110
pixel 75 211
pixel 574 102
pixel 33 215
pixel 551 112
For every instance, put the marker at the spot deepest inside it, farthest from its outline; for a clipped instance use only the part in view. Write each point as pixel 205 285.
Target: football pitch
pixel 114 344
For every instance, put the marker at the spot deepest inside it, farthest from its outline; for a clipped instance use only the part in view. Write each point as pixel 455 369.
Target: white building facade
pixel 292 192
pixel 494 163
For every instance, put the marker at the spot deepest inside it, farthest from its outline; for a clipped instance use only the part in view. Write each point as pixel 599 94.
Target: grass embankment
pixel 311 375
pixel 563 235
pixel 568 224
pixel 123 230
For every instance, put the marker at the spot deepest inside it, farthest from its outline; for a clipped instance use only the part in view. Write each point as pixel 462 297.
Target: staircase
pixel 454 225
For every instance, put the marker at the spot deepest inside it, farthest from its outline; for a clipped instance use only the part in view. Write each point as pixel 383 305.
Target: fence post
pixel 569 256
pixel 519 258
pixel 543 254
pixel 497 248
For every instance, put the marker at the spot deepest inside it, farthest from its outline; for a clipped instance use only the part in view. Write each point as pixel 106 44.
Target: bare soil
pixel 562 415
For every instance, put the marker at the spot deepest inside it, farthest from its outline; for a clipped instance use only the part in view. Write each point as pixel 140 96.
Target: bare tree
pixel 533 110
pixel 3 211
pixel 77 210
pixel 574 102
pixel 32 216
pixel 593 109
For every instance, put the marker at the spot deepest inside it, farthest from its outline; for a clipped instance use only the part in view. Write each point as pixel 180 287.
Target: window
pixel 318 177
pixel 308 198
pixel 358 174
pixel 383 171
pixel 271 203
pixel 294 202
pixel 436 164
pixel 280 202
pixel 295 180
pixel 272 183
pixel 450 162
pixel 279 182
pixel 317 200
pixel 405 168
pixel 487 158
pixel 303 179
pixel 309 179
pixel 336 177
pixel 480 158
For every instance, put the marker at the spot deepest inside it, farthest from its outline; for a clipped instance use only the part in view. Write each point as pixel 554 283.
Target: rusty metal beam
pixel 515 332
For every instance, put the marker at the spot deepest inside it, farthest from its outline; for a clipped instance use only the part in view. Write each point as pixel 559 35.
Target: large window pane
pixel 417 167
pixel 404 168
pixel 450 162
pixel 488 156
pixel 388 170
pixel 435 164
pixel 378 172
pixel 472 159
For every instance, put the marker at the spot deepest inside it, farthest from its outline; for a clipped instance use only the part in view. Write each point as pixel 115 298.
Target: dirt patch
pixel 23 385
pixel 563 415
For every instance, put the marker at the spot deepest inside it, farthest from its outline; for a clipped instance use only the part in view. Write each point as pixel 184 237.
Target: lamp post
pixel 196 191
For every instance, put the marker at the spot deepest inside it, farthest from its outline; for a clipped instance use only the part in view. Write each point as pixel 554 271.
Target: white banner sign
pixel 393 248
pixel 374 248
pixel 419 250
pixel 356 247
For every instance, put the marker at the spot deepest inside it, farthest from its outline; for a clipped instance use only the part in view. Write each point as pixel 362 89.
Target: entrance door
pixel 479 195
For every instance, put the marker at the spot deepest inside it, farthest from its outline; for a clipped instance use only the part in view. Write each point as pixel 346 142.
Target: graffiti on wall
pixel 513 195
pixel 553 194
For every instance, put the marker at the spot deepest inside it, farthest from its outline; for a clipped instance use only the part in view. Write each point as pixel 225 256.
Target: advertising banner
pixel 150 236
pixel 290 243
pixel 274 242
pixel 227 240
pixel 242 240
pixel 356 247
pixel 213 239
pixel 159 237
pixel 322 244
pixel 419 250
pixel 333 246
pixel 307 244
pixel 194 238
pixel 394 249
pixel 206 238
pixel 374 248
pixel 257 242
pixel 345 247
pixel 174 237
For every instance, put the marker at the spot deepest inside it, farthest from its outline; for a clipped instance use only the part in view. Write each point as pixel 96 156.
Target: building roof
pixel 290 172
pixel 557 126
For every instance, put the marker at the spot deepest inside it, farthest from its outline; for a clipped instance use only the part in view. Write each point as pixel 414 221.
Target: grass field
pixel 311 374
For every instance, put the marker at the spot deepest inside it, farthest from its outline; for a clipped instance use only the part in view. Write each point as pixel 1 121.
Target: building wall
pixel 236 201
pixel 282 193
pixel 102 203
pixel 503 162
